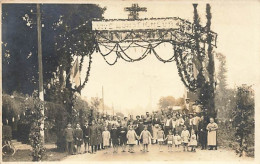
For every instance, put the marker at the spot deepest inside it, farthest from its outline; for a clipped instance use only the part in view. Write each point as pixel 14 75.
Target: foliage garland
pixel 181 66
pixel 35 137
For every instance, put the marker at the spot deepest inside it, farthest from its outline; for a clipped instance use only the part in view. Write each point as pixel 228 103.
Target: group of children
pixel 124 137
pixel 185 139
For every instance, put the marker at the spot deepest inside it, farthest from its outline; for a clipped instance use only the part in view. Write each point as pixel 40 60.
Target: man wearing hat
pixel 148 122
pixel 202 127
pixel 187 106
pixel 168 125
pixel 124 122
pixel 85 130
pixel 195 123
pixel 69 134
pixel 156 123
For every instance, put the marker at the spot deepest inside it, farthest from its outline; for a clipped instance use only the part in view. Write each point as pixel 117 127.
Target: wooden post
pixel 40 69
pixel 103 101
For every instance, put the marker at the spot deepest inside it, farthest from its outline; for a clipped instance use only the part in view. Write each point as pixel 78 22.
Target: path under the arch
pixel 154 155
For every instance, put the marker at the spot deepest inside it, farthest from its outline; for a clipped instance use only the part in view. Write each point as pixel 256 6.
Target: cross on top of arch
pixel 134 11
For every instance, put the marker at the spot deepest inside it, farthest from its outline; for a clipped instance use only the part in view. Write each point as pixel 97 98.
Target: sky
pixel 137 87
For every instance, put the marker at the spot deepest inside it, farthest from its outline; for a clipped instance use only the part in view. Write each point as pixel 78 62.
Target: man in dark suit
pixel 69 136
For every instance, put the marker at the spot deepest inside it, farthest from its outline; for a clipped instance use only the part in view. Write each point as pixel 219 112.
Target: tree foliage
pixel 169 101
pixel 66 33
pixel 225 97
pixel 243 118
pixel 60 42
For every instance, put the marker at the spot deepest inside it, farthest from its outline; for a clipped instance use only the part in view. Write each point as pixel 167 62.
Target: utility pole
pixel 103 101
pixel 113 109
pixel 41 94
pixel 151 105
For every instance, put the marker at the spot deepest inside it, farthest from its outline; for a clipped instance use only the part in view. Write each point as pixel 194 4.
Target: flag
pixel 75 74
pixel 195 65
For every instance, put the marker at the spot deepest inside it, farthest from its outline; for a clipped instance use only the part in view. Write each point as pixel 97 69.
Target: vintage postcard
pixel 135 81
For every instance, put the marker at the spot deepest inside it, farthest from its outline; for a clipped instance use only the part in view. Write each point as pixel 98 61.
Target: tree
pixel 204 88
pixel 225 98
pixel 243 118
pixel 66 33
pixel 120 114
pixel 94 106
pixel 166 102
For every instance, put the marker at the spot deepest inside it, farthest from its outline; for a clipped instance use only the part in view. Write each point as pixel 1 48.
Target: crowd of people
pixel 172 129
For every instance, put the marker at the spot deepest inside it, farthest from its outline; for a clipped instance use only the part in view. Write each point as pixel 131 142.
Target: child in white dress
pixel 131 139
pixel 193 141
pixel 177 141
pixel 146 136
pixel 170 139
pixel 106 139
pixel 160 136
pixel 185 135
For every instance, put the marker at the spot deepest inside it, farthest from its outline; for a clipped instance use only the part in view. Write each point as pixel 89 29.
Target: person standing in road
pixel 93 134
pixel 170 139
pixel 122 136
pixel 161 136
pixel 106 139
pixel 185 135
pixel 168 125
pixel 131 137
pixel 212 134
pixel 193 141
pixel 146 136
pixel 115 137
pixel 156 123
pixel 203 133
pixel 85 130
pixel 78 135
pixel 99 134
pixel 179 124
pixel 177 141
pixel 195 124
pixel 69 133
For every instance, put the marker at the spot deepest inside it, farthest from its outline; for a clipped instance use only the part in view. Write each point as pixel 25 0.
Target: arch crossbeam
pixel 189 44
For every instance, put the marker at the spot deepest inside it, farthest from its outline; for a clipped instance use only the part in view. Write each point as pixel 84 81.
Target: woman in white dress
pixel 212 134
pixel 106 139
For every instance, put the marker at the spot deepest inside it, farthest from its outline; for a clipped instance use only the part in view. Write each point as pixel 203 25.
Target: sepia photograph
pixel 137 81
